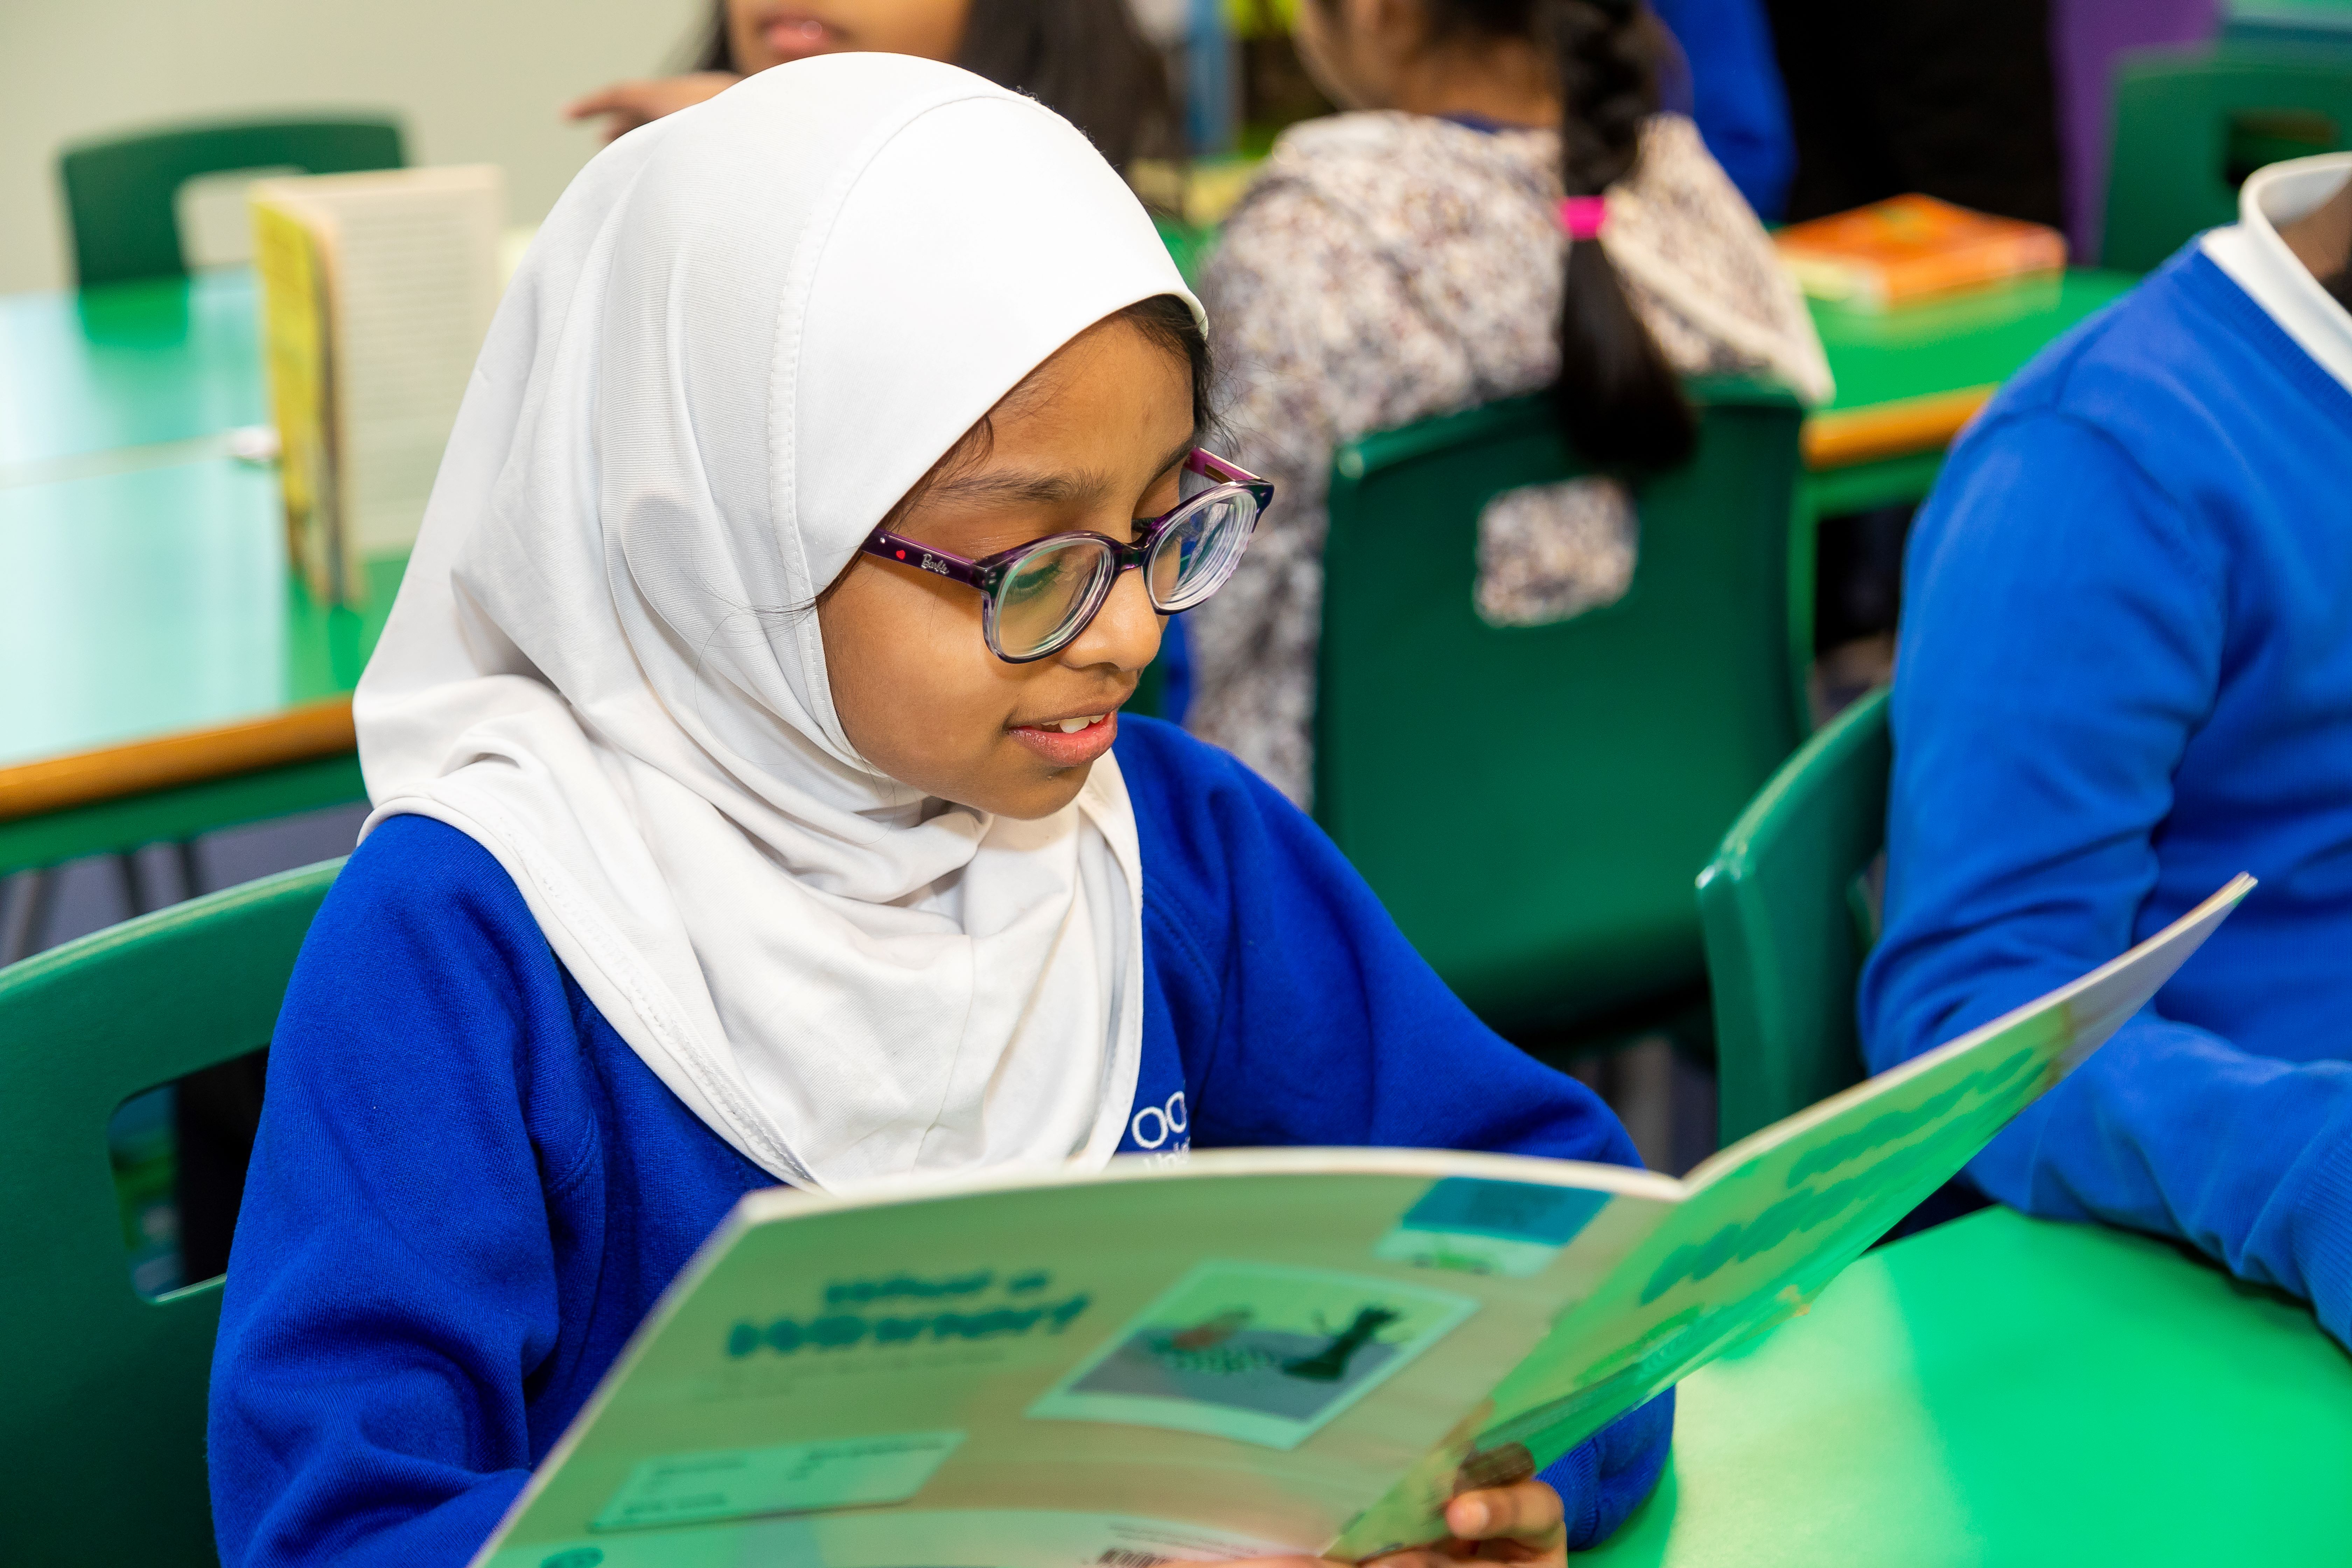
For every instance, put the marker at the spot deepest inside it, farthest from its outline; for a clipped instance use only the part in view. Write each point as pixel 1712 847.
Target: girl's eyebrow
pixel 1080 487
pixel 1047 490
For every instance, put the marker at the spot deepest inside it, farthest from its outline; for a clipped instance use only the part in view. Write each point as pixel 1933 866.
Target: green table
pixel 167 674
pixel 177 678
pixel 2003 1391
pixel 1907 380
pixel 85 376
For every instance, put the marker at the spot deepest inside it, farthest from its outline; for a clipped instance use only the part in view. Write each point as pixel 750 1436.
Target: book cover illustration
pixel 1256 1352
pixel 291 257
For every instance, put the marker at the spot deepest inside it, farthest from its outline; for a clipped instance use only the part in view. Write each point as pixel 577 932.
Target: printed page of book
pixel 1227 1358
pixel 1771 1219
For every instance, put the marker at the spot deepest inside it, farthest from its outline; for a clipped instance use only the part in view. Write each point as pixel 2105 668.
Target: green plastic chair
pixel 102 1425
pixel 120 190
pixel 1787 927
pixel 2191 124
pixel 1531 803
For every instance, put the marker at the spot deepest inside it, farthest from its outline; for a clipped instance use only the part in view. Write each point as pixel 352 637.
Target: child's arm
pixel 1304 1018
pixel 626 105
pixel 2067 632
pixel 394 1284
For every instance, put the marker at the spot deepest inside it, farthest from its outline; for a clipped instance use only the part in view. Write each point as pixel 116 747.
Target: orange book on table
pixel 1908 248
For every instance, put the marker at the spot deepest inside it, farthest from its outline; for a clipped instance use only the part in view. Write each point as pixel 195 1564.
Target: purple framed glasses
pixel 1040 595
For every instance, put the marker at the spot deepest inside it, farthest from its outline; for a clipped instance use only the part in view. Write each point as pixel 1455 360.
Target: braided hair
pixel 1619 404
pixel 1620 401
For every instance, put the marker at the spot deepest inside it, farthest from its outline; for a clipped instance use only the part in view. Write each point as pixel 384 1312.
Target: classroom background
pixel 174 675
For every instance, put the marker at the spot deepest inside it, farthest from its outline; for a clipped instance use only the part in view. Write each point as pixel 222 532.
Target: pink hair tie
pixel 1583 216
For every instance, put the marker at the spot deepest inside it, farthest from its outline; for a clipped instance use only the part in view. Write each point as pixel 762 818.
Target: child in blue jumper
pixel 754 807
pixel 2126 676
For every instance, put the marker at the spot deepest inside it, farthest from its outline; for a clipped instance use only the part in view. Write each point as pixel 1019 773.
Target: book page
pixel 1771 1219
pixel 1228 1358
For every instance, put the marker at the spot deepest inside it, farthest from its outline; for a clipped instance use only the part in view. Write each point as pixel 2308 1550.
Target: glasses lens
pixel 1202 546
pixel 1045 597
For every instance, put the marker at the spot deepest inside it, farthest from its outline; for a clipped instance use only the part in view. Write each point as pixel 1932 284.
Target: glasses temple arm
pixel 922 557
pixel 1208 465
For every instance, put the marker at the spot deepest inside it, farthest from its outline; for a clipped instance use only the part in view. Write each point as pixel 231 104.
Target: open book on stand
pixel 1262 1351
pixel 376 291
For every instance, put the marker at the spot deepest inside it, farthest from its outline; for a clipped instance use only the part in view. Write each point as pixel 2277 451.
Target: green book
pixel 1256 1351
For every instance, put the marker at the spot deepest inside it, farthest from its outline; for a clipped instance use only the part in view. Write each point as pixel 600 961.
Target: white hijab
pixel 742 335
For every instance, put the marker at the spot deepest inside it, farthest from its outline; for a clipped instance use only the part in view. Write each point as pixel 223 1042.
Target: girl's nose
pixel 1125 632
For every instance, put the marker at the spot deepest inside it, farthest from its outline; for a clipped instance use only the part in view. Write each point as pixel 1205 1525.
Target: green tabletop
pixel 2003 1391
pixel 1968 340
pixel 154 600
pixel 143 585
pixel 1905 379
pixel 128 366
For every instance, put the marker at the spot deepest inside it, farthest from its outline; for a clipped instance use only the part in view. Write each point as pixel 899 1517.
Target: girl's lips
pixel 795 38
pixel 1069 750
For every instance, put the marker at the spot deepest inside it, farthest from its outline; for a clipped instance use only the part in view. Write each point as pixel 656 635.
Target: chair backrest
pixel 102 1424
pixel 1531 802
pixel 2190 124
pixel 119 190
pixel 1786 932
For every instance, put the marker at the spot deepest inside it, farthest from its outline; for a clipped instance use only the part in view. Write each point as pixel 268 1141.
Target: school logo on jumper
pixel 1157 1125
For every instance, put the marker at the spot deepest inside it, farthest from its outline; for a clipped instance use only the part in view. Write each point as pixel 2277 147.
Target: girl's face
pixel 763 33
pixel 1092 440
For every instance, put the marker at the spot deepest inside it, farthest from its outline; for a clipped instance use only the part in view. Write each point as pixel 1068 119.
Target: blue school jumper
pixel 2126 676
pixel 468 1190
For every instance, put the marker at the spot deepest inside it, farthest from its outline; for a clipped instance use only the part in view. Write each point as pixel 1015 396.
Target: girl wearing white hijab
pixel 747 810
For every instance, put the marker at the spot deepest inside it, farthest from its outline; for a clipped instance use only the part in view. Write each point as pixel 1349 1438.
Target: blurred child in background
pixel 1414 258
pixel 1084 59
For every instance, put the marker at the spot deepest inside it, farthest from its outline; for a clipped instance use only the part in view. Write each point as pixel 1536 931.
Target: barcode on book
pixel 1127 1557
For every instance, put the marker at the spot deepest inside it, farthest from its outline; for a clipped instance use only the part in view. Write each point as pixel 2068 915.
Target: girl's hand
pixel 1518 1524
pixel 633 103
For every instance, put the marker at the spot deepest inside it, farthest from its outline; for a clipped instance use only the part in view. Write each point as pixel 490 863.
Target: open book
pixel 1260 1350
pixel 376 291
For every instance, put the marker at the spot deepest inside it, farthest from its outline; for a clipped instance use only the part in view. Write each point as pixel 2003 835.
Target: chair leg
pixel 26 913
pixel 1645 1098
pixel 1637 1081
pixel 192 880
pixel 126 871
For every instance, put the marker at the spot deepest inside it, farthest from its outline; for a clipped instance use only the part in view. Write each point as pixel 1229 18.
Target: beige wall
pixel 472 81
